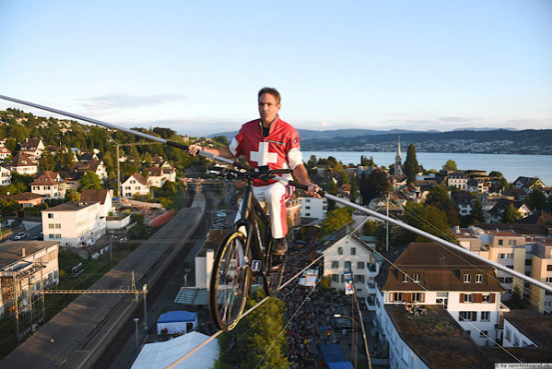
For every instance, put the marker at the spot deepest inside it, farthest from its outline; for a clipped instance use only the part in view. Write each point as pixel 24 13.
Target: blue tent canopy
pixel 177 316
pixel 334 357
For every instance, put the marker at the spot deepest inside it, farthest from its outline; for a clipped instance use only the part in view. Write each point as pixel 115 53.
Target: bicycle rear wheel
pixel 230 281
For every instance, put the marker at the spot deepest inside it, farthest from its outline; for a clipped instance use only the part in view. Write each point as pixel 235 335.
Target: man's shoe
pixel 280 246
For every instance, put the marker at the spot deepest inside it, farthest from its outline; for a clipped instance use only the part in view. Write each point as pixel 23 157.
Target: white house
pixel 157 176
pixel 23 164
pixel 349 252
pixel 33 147
pixel 430 274
pixel 37 261
pixel 73 225
pixel 5 176
pixel 92 165
pixel 4 153
pixel 458 180
pixel 313 208
pixel 136 184
pixel 50 185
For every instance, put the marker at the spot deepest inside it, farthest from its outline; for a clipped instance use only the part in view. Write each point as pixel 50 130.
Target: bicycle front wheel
pixel 230 281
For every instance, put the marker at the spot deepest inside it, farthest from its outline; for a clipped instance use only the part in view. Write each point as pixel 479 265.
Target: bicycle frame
pixel 248 213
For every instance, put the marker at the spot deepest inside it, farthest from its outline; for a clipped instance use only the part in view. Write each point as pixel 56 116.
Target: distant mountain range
pixel 490 141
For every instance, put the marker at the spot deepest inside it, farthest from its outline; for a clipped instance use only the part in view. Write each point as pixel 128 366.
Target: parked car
pixel 20 236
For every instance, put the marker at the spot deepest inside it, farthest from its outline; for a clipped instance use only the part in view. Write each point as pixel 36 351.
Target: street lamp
pixel 353 342
pixel 136 331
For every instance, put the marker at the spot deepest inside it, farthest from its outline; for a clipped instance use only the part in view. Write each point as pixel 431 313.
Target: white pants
pixel 275 195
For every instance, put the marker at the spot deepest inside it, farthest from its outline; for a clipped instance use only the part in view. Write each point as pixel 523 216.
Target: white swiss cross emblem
pixel 263 156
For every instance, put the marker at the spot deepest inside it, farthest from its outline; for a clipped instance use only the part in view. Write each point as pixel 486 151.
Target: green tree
pixel 440 199
pixel 353 193
pixel 335 220
pixel 11 144
pixel 476 213
pixel 64 160
pixel 411 165
pixel 373 185
pixel 427 218
pixel 46 162
pixel 90 181
pixel 510 215
pixel 450 165
pixel 537 200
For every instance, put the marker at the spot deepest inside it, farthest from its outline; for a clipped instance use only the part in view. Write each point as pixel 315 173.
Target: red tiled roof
pixel 47 178
pixel 90 196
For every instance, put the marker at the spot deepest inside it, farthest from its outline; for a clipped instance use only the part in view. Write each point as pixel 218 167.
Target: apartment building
pixel 458 180
pixel 431 274
pixel 73 225
pixel 538 266
pixel 26 267
pixel 5 176
pixel 50 185
pixel 313 208
pixel 103 197
pixel 505 247
pixel 293 211
pixel 348 252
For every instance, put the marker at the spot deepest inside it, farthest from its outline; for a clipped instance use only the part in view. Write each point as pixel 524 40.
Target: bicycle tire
pixel 272 281
pixel 230 281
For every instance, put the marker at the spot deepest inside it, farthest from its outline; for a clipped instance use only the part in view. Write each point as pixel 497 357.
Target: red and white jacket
pixel 279 150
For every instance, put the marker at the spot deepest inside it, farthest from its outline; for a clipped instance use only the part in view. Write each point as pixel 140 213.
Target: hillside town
pixel 87 203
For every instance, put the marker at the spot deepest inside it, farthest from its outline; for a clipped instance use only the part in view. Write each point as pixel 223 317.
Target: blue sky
pixel 196 66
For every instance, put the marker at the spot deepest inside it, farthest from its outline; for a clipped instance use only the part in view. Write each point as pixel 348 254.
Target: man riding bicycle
pixel 269 141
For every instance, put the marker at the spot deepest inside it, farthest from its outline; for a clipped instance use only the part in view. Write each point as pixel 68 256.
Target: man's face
pixel 268 108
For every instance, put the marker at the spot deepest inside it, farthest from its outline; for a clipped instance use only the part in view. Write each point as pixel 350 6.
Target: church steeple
pixel 398 171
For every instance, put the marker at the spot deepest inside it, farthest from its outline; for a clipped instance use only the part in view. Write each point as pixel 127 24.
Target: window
pixel 418 297
pixel 334 277
pixel 465 297
pixel 50 215
pixel 307 214
pixel 508 334
pixel 483 333
pixel 549 268
pixel 500 242
pixel 335 265
pixel 548 279
pixel 307 207
pixel 466 278
pixel 396 296
pixel 509 256
pixel 340 251
pixel 485 316
pixel 417 277
pixel 307 200
pixel 405 278
pixel 347 265
pixel 479 278
pixel 353 251
pixel 359 278
pixel 467 316
pixel 501 256
pixel 360 265
pixel 512 242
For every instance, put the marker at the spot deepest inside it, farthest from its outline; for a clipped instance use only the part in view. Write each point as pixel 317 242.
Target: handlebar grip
pixel 304 187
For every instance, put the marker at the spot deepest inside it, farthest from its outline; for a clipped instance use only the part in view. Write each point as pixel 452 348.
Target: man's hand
pixel 194 149
pixel 312 190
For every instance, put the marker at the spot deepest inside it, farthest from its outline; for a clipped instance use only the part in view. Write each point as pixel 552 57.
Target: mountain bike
pixel 245 253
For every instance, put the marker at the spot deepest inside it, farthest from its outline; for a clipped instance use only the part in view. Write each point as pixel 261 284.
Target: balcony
pixel 370 303
pixel 370 287
pixel 373 269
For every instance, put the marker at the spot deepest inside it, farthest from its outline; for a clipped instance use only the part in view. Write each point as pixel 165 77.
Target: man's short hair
pixel 269 90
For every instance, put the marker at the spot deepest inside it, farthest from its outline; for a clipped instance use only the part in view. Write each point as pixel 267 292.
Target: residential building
pixel 33 147
pixel 23 164
pixel 348 252
pixel 538 255
pixel 93 165
pixel 73 225
pixel 4 153
pixel 50 185
pixel 293 211
pixel 5 176
pixel 157 176
pixel 464 201
pixel 458 180
pixel 26 267
pixel 527 328
pixel 313 208
pixel 505 247
pixel 431 274
pixel 103 197
pixel 136 184
pixel 478 185
pixel 25 199
pixel 528 183
pixel 495 214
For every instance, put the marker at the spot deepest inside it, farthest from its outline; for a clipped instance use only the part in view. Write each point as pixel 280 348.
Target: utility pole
pixel 136 331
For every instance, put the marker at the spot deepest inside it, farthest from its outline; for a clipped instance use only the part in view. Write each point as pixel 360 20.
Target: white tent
pixel 162 354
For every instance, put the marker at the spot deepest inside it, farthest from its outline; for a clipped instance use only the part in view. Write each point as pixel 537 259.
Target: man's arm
pixel 301 175
pixel 221 151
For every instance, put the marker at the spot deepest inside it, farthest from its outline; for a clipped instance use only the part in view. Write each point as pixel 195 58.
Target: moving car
pixel 20 236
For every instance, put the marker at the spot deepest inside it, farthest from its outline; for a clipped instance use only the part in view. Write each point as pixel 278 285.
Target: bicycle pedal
pixel 256 265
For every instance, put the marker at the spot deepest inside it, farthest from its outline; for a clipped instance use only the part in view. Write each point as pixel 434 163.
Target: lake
pixel 512 166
